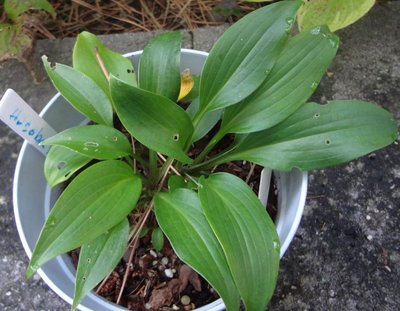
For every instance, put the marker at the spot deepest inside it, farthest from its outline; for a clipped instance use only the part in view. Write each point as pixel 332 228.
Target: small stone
pixel 168 273
pixel 369 237
pixel 164 261
pixel 292 287
pixel 368 217
pixel 332 293
pixel 185 300
pixel 153 253
pixel 175 307
pixel 154 263
pixel 8 293
pixel 147 306
pixel 388 268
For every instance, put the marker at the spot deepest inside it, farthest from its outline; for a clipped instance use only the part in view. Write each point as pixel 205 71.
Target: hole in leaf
pixel 89 260
pixel 327 142
pixel 61 165
pixel 176 137
pixel 317 115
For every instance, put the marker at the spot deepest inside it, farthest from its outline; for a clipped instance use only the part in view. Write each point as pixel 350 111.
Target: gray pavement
pixel 346 253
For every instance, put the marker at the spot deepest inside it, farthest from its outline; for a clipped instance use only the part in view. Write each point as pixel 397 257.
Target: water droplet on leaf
pixel 314 85
pixel 91 144
pixel 315 31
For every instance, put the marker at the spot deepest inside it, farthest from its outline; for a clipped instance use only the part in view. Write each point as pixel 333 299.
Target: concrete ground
pixel 346 253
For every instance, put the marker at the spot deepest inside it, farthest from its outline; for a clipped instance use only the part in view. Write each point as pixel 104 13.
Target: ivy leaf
pixel 154 120
pixel 299 69
pixel 85 60
pixel 16 8
pixel 181 217
pixel 247 236
pixel 318 136
pixel 61 163
pixel 95 141
pixel 336 14
pixel 14 42
pixel 95 201
pixel 83 94
pixel 159 65
pixel 254 42
pixel 98 258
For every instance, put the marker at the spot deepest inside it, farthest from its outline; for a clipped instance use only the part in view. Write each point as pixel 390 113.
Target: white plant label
pixel 24 121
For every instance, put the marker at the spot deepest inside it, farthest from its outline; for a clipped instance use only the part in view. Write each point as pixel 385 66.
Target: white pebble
pixel 8 293
pixel 147 305
pixel 169 273
pixel 368 217
pixel 175 307
pixel 185 300
pixel 369 237
pixel 153 253
pixel 164 261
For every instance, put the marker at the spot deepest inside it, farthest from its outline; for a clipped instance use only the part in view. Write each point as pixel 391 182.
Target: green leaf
pixel 291 82
pixel 95 201
pixel 61 163
pixel 95 141
pixel 84 60
pixel 336 14
pixel 80 90
pixel 159 65
pixel 14 42
pixel 209 120
pixel 157 239
pixel 15 8
pixel 176 182
pixel 181 217
pixel 247 236
pixel 98 258
pixel 318 136
pixel 154 120
pixel 242 58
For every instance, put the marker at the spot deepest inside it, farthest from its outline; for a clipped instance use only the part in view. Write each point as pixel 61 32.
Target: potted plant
pixel 137 157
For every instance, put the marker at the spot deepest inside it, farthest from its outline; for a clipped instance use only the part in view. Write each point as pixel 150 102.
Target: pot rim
pixel 214 306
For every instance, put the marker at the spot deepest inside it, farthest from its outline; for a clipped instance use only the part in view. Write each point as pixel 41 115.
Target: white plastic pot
pixel 33 198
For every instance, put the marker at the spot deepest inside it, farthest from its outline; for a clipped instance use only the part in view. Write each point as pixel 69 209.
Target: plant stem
pixel 153 165
pixel 218 159
pixel 208 148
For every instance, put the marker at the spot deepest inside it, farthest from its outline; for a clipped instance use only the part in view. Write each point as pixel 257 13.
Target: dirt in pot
pixel 160 280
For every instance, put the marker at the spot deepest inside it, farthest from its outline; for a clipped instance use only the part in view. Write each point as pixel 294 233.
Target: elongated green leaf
pixel 85 60
pixel 15 8
pixel 83 94
pixel 159 65
pixel 181 217
pixel 98 258
pixel 95 201
pixel 291 82
pixel 96 141
pixel 157 239
pixel 154 120
pixel 318 136
pixel 242 58
pixel 336 14
pixel 209 120
pixel 61 163
pixel 246 234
